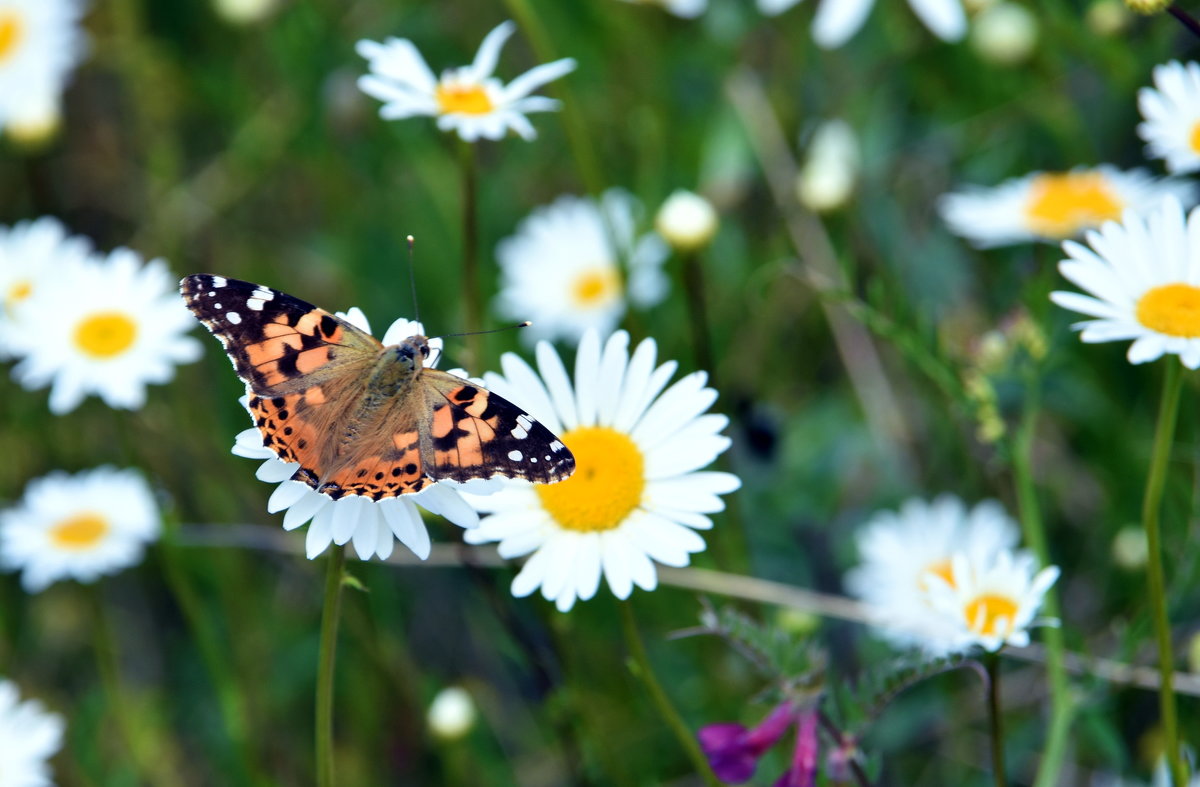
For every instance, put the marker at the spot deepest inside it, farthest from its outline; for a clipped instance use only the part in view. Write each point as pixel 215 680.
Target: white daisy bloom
pixel 78 527
pixel 106 326
pixel 838 20
pixel 686 9
pixel 371 525
pixel 29 736
pixel 40 42
pixel 1143 280
pixel 1172 116
pixel 468 99
pixel 1054 206
pixel 638 494
pixel 900 552
pixel 563 269
pixel 30 251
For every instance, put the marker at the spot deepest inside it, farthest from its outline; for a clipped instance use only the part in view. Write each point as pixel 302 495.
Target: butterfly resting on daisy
pixel 361 418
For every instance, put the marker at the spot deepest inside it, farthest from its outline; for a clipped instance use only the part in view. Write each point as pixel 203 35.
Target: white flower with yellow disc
pixel 40 42
pixel 1172 116
pixel 29 252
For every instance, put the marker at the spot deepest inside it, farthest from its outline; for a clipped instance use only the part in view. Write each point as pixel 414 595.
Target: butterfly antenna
pixel 524 324
pixel 412 278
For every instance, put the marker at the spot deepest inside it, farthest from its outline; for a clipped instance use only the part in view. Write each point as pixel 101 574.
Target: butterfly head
pixel 411 353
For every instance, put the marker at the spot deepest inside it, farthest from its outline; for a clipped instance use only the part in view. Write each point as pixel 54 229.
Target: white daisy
pixel 40 42
pixel 78 527
pixel 638 494
pixel 30 250
pixel 369 524
pixel 563 270
pixel 1143 276
pixel 687 9
pixel 901 551
pixel 1054 206
pixel 29 736
pixel 838 20
pixel 468 99
pixel 1172 112
pixel 107 326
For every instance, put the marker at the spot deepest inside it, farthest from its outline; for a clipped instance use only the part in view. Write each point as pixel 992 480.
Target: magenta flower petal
pixel 733 751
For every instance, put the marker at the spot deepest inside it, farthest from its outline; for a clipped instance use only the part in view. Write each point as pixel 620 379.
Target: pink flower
pixel 733 750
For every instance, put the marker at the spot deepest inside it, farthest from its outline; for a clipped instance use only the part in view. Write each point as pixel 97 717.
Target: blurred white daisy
pixel 901 551
pixel 831 167
pixel 572 265
pixel 1172 116
pixel 40 42
pixel 638 494
pixel 687 9
pixel 106 326
pixel 78 527
pixel 1143 280
pixel 838 20
pixel 29 736
pixel 30 250
pixel 467 99
pixel 372 526
pixel 1054 206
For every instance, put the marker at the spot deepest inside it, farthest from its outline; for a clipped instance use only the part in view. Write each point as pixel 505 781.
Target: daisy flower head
pixel 638 494
pixel 78 527
pixel 468 99
pixel 40 42
pixel 1142 277
pixel 572 265
pixel 1172 116
pixel 837 21
pixel 1054 206
pixel 29 252
pixel 106 326
pixel 29 736
pixel 372 526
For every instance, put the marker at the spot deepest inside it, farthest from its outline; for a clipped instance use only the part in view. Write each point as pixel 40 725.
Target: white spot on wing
pixel 254 304
pixel 525 421
pixel 262 293
pixel 533 459
pixel 216 305
pixel 519 433
pixel 219 281
pixel 516 456
pixel 556 446
pixel 233 317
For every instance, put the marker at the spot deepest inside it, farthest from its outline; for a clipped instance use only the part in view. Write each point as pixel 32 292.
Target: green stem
pixel 329 626
pixel 695 289
pixel 992 660
pixel 470 219
pixel 1164 437
pixel 668 712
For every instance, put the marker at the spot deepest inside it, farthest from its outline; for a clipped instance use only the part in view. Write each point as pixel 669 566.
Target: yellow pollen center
pixel 464 100
pixel 81 531
pixel 984 614
pixel 18 291
pixel 11 30
pixel 1194 141
pixel 1063 204
pixel 105 334
pixel 596 286
pixel 942 569
pixel 606 487
pixel 1173 309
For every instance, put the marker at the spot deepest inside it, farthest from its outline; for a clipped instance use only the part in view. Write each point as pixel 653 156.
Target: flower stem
pixel 1164 437
pixel 1186 19
pixel 668 712
pixel 329 626
pixel 470 234
pixel 992 662
pixel 695 289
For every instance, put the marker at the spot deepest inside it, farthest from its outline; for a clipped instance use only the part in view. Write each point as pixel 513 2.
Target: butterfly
pixel 358 417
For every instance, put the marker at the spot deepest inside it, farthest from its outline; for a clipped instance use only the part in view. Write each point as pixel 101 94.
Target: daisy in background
pixel 1142 277
pixel 1172 116
pixel 837 21
pixel 103 325
pixel 30 251
pixel 686 9
pixel 372 526
pixel 78 527
pixel 1054 206
pixel 40 42
pixel 572 265
pixel 467 99
pixel 29 736
pixel 638 494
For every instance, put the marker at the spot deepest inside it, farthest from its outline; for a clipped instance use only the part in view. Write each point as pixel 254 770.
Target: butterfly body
pixel 361 418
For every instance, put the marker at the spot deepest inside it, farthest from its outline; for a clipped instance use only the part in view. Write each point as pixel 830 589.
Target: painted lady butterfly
pixel 361 418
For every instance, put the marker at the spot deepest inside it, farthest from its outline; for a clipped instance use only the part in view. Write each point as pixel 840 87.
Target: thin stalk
pixel 1186 19
pixel 996 718
pixel 696 291
pixel 668 712
pixel 470 234
pixel 1164 437
pixel 329 627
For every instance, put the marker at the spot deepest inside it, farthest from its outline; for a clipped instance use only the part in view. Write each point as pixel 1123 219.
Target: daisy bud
pixel 827 178
pixel 1129 549
pixel 244 12
pixel 1107 17
pixel 1147 7
pixel 452 714
pixel 688 221
pixel 1005 34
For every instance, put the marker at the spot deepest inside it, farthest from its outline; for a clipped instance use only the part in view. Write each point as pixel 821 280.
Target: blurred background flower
pixel 29 736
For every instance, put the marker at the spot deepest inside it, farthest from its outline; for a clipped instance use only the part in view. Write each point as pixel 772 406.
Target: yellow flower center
pixel 984 614
pixel 1195 138
pixel 464 100
pixel 1173 309
pixel 940 568
pixel 105 334
pixel 607 484
pixel 596 286
pixel 79 532
pixel 11 30
pixel 1062 204
pixel 18 291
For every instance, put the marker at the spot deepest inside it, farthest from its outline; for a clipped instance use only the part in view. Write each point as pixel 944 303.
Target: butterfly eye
pixel 424 350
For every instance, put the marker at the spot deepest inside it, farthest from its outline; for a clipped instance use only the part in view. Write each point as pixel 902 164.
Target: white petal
pixel 587 370
pixel 944 18
pixel 837 20
pixel 489 51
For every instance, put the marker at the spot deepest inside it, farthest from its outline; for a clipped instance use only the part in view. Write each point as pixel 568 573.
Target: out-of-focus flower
pixel 734 751
pixel 1005 33
pixel 1107 17
pixel 245 12
pixel 106 326
pixel 1172 116
pixel 1148 7
pixel 687 9
pixel 468 99
pixel 1129 548
pixel 78 527
pixel 686 220
pixel 1054 206
pixel 563 268
pixel 452 714
pixel 30 251
pixel 638 494
pixel 40 42
pixel 838 20
pixel 827 178
pixel 29 736
pixel 1143 280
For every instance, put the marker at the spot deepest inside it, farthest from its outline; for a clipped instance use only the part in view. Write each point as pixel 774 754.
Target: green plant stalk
pixel 329 627
pixel 996 718
pixel 668 712
pixel 468 161
pixel 1164 437
pixel 697 300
